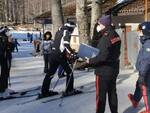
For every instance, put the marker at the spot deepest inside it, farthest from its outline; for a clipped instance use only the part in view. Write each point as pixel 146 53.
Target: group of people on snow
pixel 58 53
pixel 106 64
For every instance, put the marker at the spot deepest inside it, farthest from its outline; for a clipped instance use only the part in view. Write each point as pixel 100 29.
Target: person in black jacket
pixel 6 46
pixel 16 44
pixel 143 67
pixel 106 65
pixel 61 52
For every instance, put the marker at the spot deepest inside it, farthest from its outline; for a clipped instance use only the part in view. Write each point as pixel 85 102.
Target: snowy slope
pixel 27 73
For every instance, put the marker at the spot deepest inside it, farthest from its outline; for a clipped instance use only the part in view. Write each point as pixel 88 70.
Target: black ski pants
pixel 46 62
pixel 54 62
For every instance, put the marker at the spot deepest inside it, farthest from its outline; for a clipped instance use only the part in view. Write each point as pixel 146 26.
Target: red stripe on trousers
pixel 97 93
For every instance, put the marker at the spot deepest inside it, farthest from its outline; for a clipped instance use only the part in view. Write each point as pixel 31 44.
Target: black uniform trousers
pixel 54 61
pixel 104 87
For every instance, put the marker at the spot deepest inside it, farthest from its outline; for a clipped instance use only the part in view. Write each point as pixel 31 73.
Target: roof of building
pixel 126 8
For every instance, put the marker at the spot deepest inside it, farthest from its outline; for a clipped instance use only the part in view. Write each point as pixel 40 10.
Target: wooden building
pixel 129 16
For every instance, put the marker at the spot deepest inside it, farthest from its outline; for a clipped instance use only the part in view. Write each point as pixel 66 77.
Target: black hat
pixel 48 33
pixel 70 24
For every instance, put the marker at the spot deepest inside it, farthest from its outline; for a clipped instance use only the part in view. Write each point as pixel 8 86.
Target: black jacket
pixel 106 62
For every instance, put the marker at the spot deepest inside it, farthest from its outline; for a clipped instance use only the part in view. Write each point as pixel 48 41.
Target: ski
pixel 56 97
pixel 25 91
pixel 37 98
pixel 20 94
pixel 16 97
pixel 61 96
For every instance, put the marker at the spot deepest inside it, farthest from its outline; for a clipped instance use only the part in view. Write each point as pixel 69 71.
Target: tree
pixel 95 14
pixel 82 20
pixel 57 15
pixel 23 11
pixel 1 10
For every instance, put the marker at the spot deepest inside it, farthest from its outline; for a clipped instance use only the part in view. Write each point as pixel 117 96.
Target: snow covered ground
pixel 27 73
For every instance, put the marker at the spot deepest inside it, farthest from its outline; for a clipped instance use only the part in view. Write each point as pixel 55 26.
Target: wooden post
pixel 125 47
pixel 146 10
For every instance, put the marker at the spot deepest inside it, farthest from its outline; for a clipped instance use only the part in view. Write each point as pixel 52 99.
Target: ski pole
pixel 61 101
pixel 56 83
pixel 9 82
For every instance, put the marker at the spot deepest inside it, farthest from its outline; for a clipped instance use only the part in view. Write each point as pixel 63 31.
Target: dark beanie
pixel 105 20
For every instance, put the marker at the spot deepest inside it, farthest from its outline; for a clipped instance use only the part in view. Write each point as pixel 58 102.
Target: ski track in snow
pixel 27 73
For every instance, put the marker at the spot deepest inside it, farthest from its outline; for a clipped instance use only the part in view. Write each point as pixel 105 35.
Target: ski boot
pixel 50 93
pixel 72 92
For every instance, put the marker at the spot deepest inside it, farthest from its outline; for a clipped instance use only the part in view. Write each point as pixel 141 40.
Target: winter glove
pixel 84 64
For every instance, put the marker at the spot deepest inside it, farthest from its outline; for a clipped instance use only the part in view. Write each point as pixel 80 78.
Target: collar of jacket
pixel 143 39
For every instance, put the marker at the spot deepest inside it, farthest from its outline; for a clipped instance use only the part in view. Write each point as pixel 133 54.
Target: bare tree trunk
pixel 16 11
pixel 28 10
pixel 5 11
pixel 96 13
pixel 82 20
pixel 13 11
pixel 23 11
pixel 57 15
pixel 1 10
pixel 41 2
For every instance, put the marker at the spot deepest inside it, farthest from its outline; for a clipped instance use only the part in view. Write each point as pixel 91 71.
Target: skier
pixel 61 52
pixel 5 61
pixel 106 65
pixel 16 44
pixel 31 38
pixel 28 36
pixel 46 49
pixel 143 66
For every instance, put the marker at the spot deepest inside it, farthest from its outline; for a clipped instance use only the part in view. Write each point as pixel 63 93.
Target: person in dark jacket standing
pixel 16 44
pixel 106 65
pixel 5 60
pixel 143 66
pixel 61 52
pixel 46 49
